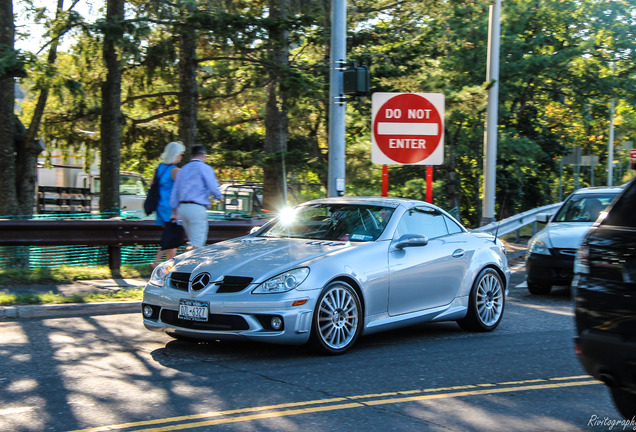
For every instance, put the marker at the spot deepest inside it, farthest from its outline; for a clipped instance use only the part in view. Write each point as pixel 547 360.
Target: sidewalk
pixel 71 309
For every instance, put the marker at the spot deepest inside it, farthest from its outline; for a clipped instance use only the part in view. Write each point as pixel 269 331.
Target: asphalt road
pixel 106 372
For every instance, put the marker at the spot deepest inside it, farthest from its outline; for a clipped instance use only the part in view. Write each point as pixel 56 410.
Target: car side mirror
pixel 411 240
pixel 544 217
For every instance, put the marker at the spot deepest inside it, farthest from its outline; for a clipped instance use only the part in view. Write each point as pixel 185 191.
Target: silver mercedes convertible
pixel 330 270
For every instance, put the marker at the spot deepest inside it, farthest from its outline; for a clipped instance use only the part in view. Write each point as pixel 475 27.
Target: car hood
pixel 566 235
pixel 257 257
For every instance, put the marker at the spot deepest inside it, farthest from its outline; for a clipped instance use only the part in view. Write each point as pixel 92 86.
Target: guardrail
pixel 515 223
pixel 116 233
pixel 113 233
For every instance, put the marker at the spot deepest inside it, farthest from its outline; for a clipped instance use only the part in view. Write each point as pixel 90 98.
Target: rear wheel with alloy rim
pixel 485 303
pixel 337 320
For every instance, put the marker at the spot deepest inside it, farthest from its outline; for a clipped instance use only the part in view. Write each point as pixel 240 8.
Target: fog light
pixel 276 323
pixel 147 311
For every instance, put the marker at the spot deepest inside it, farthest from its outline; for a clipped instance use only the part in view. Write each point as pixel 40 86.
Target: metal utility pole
pixel 610 151
pixel 490 138
pixel 337 61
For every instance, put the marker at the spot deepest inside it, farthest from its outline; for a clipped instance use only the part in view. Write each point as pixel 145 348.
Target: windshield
pixel 583 207
pixel 331 222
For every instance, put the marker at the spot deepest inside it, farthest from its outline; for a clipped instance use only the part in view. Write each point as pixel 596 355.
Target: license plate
pixel 193 310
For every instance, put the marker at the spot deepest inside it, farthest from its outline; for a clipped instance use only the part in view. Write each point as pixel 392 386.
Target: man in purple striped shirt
pixel 190 197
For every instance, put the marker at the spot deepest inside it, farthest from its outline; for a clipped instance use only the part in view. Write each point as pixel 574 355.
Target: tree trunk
pixel 276 122
pixel 28 163
pixel 188 92
pixel 8 183
pixel 111 120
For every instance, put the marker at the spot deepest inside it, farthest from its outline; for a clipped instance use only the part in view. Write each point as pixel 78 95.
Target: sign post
pixel 632 158
pixel 385 180
pixel 429 184
pixel 408 129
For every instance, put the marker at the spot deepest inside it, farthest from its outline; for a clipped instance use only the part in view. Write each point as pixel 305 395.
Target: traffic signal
pixel 355 80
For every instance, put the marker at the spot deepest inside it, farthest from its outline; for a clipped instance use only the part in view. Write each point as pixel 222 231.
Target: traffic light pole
pixel 337 105
pixel 490 139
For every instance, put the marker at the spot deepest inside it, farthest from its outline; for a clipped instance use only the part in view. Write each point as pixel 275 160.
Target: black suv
pixel 604 289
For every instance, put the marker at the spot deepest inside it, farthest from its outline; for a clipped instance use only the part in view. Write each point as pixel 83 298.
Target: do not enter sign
pixel 408 128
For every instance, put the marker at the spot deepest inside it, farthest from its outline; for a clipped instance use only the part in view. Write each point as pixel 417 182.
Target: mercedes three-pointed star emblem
pixel 200 281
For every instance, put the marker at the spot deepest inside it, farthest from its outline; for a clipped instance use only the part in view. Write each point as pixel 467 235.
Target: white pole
pixel 338 55
pixel 610 152
pixel 490 138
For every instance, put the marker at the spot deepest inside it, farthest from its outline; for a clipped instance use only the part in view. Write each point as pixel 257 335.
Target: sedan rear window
pixel 340 222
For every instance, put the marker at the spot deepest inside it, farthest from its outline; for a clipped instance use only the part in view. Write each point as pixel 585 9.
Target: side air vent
pixel 179 280
pixel 233 284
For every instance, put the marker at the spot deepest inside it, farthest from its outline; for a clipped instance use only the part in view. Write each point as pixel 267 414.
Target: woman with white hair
pixel 166 174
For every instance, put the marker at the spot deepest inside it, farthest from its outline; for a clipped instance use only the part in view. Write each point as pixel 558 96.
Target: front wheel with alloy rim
pixel 337 320
pixel 485 303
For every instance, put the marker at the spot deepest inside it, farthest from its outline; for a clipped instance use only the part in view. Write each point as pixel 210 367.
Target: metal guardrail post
pixel 114 258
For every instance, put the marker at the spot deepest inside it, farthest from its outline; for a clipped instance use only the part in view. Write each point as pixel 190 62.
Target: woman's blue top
pixel 164 175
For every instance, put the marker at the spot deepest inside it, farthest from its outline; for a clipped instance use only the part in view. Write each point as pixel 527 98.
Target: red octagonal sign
pixel 408 128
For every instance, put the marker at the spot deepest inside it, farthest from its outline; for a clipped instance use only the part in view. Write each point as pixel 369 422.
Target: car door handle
pixel 458 253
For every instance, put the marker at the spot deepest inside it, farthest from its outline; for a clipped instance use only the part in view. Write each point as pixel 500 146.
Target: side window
pixel 453 227
pixel 422 221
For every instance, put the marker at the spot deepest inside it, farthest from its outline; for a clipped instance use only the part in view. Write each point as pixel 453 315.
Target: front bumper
pixel 233 317
pixel 553 269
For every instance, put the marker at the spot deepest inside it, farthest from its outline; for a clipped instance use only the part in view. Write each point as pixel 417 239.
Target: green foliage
pixel 562 62
pixel 12 62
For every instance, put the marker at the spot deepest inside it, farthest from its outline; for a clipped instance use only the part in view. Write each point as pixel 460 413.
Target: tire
pixel 539 289
pixel 337 320
pixel 485 303
pixel 625 402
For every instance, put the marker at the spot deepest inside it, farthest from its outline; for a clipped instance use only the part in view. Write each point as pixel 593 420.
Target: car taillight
pixel 581 262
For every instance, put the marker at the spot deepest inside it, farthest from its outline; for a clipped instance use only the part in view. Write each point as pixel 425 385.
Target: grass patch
pixel 51 298
pixel 65 275
pixel 61 275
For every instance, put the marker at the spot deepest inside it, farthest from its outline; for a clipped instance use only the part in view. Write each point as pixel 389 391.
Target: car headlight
pixel 538 246
pixel 160 273
pixel 283 282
